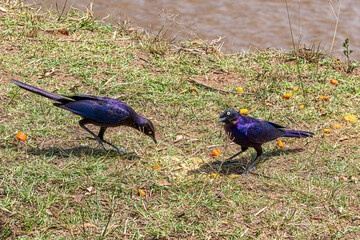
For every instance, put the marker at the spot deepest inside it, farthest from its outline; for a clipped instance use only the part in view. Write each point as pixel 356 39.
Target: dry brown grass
pixel 57 185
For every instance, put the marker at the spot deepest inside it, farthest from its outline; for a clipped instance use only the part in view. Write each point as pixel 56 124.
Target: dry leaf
pixel 48 212
pixel 354 179
pixel 178 138
pixel 91 190
pixel 163 183
pixel 269 184
pixel 3 9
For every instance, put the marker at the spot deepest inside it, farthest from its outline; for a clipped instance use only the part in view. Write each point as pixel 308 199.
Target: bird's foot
pixel 248 170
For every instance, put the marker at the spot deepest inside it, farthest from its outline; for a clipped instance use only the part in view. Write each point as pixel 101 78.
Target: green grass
pixel 58 185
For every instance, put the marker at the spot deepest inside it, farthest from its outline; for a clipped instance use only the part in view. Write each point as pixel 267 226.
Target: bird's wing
pixel 274 124
pixel 98 110
pixel 259 132
pixel 84 97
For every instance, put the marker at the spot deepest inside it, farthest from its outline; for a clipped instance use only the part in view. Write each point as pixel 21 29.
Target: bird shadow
pixel 238 165
pixel 76 151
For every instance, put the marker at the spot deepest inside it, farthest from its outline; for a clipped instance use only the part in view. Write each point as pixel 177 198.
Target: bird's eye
pixel 228 113
pixel 150 132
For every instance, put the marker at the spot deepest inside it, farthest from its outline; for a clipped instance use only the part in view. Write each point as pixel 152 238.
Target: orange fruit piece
pixel 214 175
pixel 280 144
pixel 216 153
pixel 321 97
pixel 295 89
pixel 334 81
pixel 21 136
pixel 350 118
pixel 141 193
pixel 156 167
pixel 326 130
pixel 326 98
pixel 301 107
pixel 240 89
pixel 336 127
pixel 288 95
pixel 243 111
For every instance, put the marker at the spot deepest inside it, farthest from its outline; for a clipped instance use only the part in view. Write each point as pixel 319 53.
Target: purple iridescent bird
pixel 100 111
pixel 251 132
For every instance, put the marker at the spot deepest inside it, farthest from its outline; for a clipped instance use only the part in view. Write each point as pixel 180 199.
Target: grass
pixel 58 185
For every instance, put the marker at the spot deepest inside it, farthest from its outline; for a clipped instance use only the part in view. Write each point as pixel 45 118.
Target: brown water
pixel 243 24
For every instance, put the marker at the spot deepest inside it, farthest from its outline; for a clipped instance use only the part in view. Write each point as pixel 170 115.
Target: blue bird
pixel 100 111
pixel 251 132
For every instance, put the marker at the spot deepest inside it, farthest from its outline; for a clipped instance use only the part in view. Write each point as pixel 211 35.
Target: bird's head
pixel 228 116
pixel 148 129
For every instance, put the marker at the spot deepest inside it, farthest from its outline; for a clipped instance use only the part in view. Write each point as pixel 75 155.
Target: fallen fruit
pixel 214 175
pixel 21 136
pixel 335 82
pixel 301 107
pixel 156 168
pixel 350 118
pixel 216 153
pixel 240 89
pixel 280 144
pixel 295 89
pixel 141 193
pixel 288 95
pixel 336 127
pixel 243 111
pixel 326 130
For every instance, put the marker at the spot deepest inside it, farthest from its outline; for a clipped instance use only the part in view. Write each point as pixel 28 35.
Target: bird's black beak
pixel 154 138
pixel 222 119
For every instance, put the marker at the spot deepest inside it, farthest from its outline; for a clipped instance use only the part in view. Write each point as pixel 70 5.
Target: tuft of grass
pixel 58 185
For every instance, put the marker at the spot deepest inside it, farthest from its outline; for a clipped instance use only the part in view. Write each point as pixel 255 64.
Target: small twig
pixel 244 232
pixel 260 211
pixel 336 24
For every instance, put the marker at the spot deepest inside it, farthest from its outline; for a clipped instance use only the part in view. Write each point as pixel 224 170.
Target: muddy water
pixel 240 24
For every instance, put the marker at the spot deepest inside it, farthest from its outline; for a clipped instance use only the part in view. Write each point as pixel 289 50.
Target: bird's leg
pixel 82 124
pixel 100 137
pixel 243 149
pixel 227 161
pixel 254 162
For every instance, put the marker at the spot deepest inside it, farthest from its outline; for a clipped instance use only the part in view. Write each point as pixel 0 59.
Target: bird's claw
pixel 248 170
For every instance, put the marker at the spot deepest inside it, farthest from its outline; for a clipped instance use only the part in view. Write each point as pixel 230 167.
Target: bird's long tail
pixel 298 134
pixel 39 91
